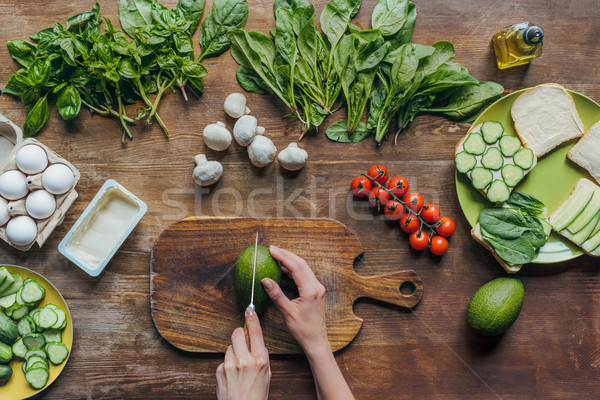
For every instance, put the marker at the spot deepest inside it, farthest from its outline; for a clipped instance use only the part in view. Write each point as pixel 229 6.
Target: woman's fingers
pixel 238 341
pixel 257 343
pixel 299 270
pixel 279 298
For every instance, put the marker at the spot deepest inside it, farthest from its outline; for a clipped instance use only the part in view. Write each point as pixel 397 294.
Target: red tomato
pixel 414 201
pixel 418 240
pixel 393 210
pixel 360 186
pixel 398 185
pixel 430 213
pixel 378 173
pixel 446 227
pixel 439 245
pixel 378 196
pixel 409 223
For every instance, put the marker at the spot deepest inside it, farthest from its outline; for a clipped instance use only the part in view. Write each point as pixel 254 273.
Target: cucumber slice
pixel 20 312
pixel 498 192
pixel 590 210
pixel 481 177
pixel 14 287
pixel 19 349
pixel 492 159
pixel 512 174
pixel 8 301
pixel 491 131
pixel 592 243
pixel 573 206
pixel 465 162
pixel 35 359
pixel 509 145
pixel 57 352
pixel 6 278
pixel 37 377
pixel 36 352
pixel 34 341
pixel 584 234
pixel 474 144
pixel 52 335
pixel 32 291
pixel 62 319
pixel 26 325
pixel 47 318
pixel 524 158
pixel 37 364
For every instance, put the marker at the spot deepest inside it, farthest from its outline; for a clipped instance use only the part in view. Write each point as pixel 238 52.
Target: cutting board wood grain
pixel 193 301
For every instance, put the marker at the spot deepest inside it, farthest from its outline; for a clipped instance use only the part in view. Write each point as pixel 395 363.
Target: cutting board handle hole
pixel 407 288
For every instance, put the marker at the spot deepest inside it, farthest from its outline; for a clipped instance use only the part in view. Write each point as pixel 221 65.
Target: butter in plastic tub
pixel 102 228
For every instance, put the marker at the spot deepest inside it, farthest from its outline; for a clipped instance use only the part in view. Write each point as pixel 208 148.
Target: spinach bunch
pixel 81 65
pixel 295 61
pixel 515 231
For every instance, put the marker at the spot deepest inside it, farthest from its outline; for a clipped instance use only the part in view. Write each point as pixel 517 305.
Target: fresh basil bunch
pixel 103 70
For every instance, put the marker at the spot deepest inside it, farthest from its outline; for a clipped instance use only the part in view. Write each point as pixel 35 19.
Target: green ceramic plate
pixel 551 181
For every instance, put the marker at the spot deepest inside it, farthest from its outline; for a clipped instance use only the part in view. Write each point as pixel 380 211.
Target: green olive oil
pixel 517 44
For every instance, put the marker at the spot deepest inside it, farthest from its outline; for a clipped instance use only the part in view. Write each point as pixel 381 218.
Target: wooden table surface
pixel 553 350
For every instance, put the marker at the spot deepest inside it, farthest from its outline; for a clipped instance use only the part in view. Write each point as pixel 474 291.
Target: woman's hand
pixel 245 374
pixel 304 316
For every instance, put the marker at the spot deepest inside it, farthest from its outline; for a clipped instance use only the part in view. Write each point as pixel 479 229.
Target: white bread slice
pixel 586 153
pixel 544 117
pixel 582 182
pixel 476 233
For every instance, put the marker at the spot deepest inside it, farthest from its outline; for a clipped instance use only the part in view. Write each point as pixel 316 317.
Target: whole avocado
pixel 496 306
pixel 266 267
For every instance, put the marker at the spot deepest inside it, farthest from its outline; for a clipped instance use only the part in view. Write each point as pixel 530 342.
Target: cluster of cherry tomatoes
pixel 409 208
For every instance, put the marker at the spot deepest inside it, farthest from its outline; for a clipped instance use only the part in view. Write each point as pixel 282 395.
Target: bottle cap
pixel 533 35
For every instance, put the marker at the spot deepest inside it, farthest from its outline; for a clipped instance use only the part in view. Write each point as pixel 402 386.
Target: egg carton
pixel 63 201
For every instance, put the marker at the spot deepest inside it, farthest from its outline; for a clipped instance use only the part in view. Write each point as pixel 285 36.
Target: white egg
pixel 13 185
pixel 21 230
pixel 58 178
pixel 40 204
pixel 32 159
pixel 4 215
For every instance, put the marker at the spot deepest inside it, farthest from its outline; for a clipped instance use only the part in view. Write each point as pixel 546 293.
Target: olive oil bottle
pixel 517 44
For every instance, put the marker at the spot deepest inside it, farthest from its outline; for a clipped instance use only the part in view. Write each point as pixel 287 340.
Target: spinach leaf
pixel 250 81
pixel 389 16
pixel 225 16
pixel 503 222
pixel 135 15
pixel 526 202
pixel 405 33
pixel 68 102
pixel 290 5
pixel 338 132
pixel 513 251
pixel 336 17
pixel 193 10
pixel 36 117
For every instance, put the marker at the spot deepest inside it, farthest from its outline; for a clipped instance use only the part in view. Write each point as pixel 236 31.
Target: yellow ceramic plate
pixel 551 181
pixel 17 387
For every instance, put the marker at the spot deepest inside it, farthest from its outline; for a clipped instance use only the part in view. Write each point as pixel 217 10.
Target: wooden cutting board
pixel 193 301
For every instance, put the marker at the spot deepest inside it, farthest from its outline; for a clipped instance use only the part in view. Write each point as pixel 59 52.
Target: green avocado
pixel 495 306
pixel 266 267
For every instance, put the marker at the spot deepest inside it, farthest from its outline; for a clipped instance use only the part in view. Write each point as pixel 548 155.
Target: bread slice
pixel 544 117
pixel 476 233
pixel 586 153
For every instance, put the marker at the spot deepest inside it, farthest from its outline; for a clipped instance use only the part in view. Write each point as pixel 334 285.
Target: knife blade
pixel 254 273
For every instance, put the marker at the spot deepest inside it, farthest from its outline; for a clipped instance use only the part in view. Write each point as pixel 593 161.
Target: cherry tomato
pixel 446 227
pixel 439 245
pixel 430 213
pixel 409 223
pixel 379 173
pixel 393 210
pixel 398 185
pixel 378 196
pixel 414 201
pixel 360 186
pixel 418 240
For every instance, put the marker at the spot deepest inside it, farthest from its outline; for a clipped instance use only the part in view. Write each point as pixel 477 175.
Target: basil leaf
pixel 18 83
pixel 338 132
pixel 68 102
pixel 193 10
pixel 22 51
pixel 127 69
pixel 183 42
pixel 36 117
pixel 39 71
pixel 225 16
pixel 389 16
pixel 135 15
pixel 84 17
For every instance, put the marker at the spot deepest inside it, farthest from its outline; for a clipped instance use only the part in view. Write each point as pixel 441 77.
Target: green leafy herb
pixel 338 132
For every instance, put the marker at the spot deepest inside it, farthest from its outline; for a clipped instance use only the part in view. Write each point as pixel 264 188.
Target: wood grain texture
pixel 193 300
pixel 552 351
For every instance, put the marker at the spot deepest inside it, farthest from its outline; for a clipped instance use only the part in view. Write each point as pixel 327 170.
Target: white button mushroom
pixel 292 157
pixel 245 129
pixel 235 105
pixel 216 136
pixel 261 151
pixel 206 172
